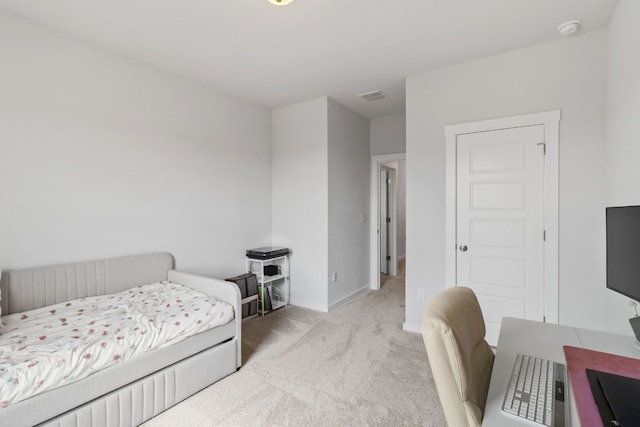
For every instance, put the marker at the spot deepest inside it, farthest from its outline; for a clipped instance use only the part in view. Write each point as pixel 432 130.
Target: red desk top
pixel 579 359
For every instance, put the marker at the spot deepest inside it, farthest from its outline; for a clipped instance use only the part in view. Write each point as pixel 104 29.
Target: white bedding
pixel 49 347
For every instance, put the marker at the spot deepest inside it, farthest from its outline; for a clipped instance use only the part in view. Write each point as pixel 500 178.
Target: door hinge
pixel 388 181
pixel 388 219
pixel 544 319
pixel 544 235
pixel 544 147
pixel 388 257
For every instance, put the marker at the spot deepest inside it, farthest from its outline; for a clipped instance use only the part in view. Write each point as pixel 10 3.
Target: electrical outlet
pixel 363 218
pixel 335 277
pixel 420 293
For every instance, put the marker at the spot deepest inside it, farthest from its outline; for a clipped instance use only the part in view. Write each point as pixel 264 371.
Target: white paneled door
pixel 500 222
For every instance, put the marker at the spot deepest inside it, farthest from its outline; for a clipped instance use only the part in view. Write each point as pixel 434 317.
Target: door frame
pixel 377 161
pixel 551 122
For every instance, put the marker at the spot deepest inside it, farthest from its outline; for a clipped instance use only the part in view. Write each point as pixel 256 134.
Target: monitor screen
pixel 623 250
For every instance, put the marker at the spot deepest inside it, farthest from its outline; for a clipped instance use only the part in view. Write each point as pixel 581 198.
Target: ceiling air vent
pixel 373 96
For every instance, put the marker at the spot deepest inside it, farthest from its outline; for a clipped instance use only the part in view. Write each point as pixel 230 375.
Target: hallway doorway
pixel 387 216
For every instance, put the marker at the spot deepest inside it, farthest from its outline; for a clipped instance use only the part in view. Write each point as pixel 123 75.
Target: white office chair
pixel 461 360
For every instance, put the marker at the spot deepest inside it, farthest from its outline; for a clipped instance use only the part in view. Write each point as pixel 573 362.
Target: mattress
pixel 54 346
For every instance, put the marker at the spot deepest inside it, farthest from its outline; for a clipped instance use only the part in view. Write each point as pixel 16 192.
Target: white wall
pixel 623 106
pixel 349 160
pixel 623 132
pixel 568 75
pixel 388 135
pixel 300 197
pixel 104 156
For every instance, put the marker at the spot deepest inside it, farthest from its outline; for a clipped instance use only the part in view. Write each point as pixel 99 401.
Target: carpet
pixel 354 366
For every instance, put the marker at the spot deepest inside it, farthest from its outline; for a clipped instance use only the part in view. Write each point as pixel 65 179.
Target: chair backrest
pixel 461 360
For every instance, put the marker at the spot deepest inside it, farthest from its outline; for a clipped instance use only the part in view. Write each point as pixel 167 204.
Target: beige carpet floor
pixel 354 366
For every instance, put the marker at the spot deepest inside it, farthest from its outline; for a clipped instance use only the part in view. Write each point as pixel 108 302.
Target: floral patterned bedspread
pixel 53 346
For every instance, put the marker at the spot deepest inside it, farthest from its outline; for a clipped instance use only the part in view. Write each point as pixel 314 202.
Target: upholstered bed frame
pixel 136 390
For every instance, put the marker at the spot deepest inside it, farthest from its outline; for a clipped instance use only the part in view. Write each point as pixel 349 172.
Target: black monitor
pixel 623 250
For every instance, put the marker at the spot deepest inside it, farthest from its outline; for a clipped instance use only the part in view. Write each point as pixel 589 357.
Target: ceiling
pixel 281 55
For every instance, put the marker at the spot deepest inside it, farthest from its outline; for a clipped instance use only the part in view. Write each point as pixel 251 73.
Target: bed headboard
pixel 33 288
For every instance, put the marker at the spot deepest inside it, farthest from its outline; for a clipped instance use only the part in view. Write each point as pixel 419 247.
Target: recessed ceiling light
pixel 280 2
pixel 569 27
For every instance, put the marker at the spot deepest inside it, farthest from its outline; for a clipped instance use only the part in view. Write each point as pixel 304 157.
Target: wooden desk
pixel 542 340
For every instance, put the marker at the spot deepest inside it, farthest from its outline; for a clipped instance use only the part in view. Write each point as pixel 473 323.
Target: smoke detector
pixel 569 27
pixel 374 95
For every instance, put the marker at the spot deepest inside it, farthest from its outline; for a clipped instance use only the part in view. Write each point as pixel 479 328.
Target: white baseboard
pixel 306 304
pixel 349 297
pixel 411 328
pixel 326 309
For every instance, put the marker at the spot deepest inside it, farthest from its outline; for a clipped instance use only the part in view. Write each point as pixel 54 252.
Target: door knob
pixel 463 248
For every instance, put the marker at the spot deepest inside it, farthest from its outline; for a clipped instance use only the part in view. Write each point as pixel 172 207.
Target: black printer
pixel 267 252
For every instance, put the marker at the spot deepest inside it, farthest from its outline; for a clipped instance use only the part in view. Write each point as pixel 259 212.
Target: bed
pixel 124 392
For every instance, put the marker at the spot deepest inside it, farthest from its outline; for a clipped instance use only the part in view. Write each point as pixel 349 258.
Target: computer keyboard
pixel 537 391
